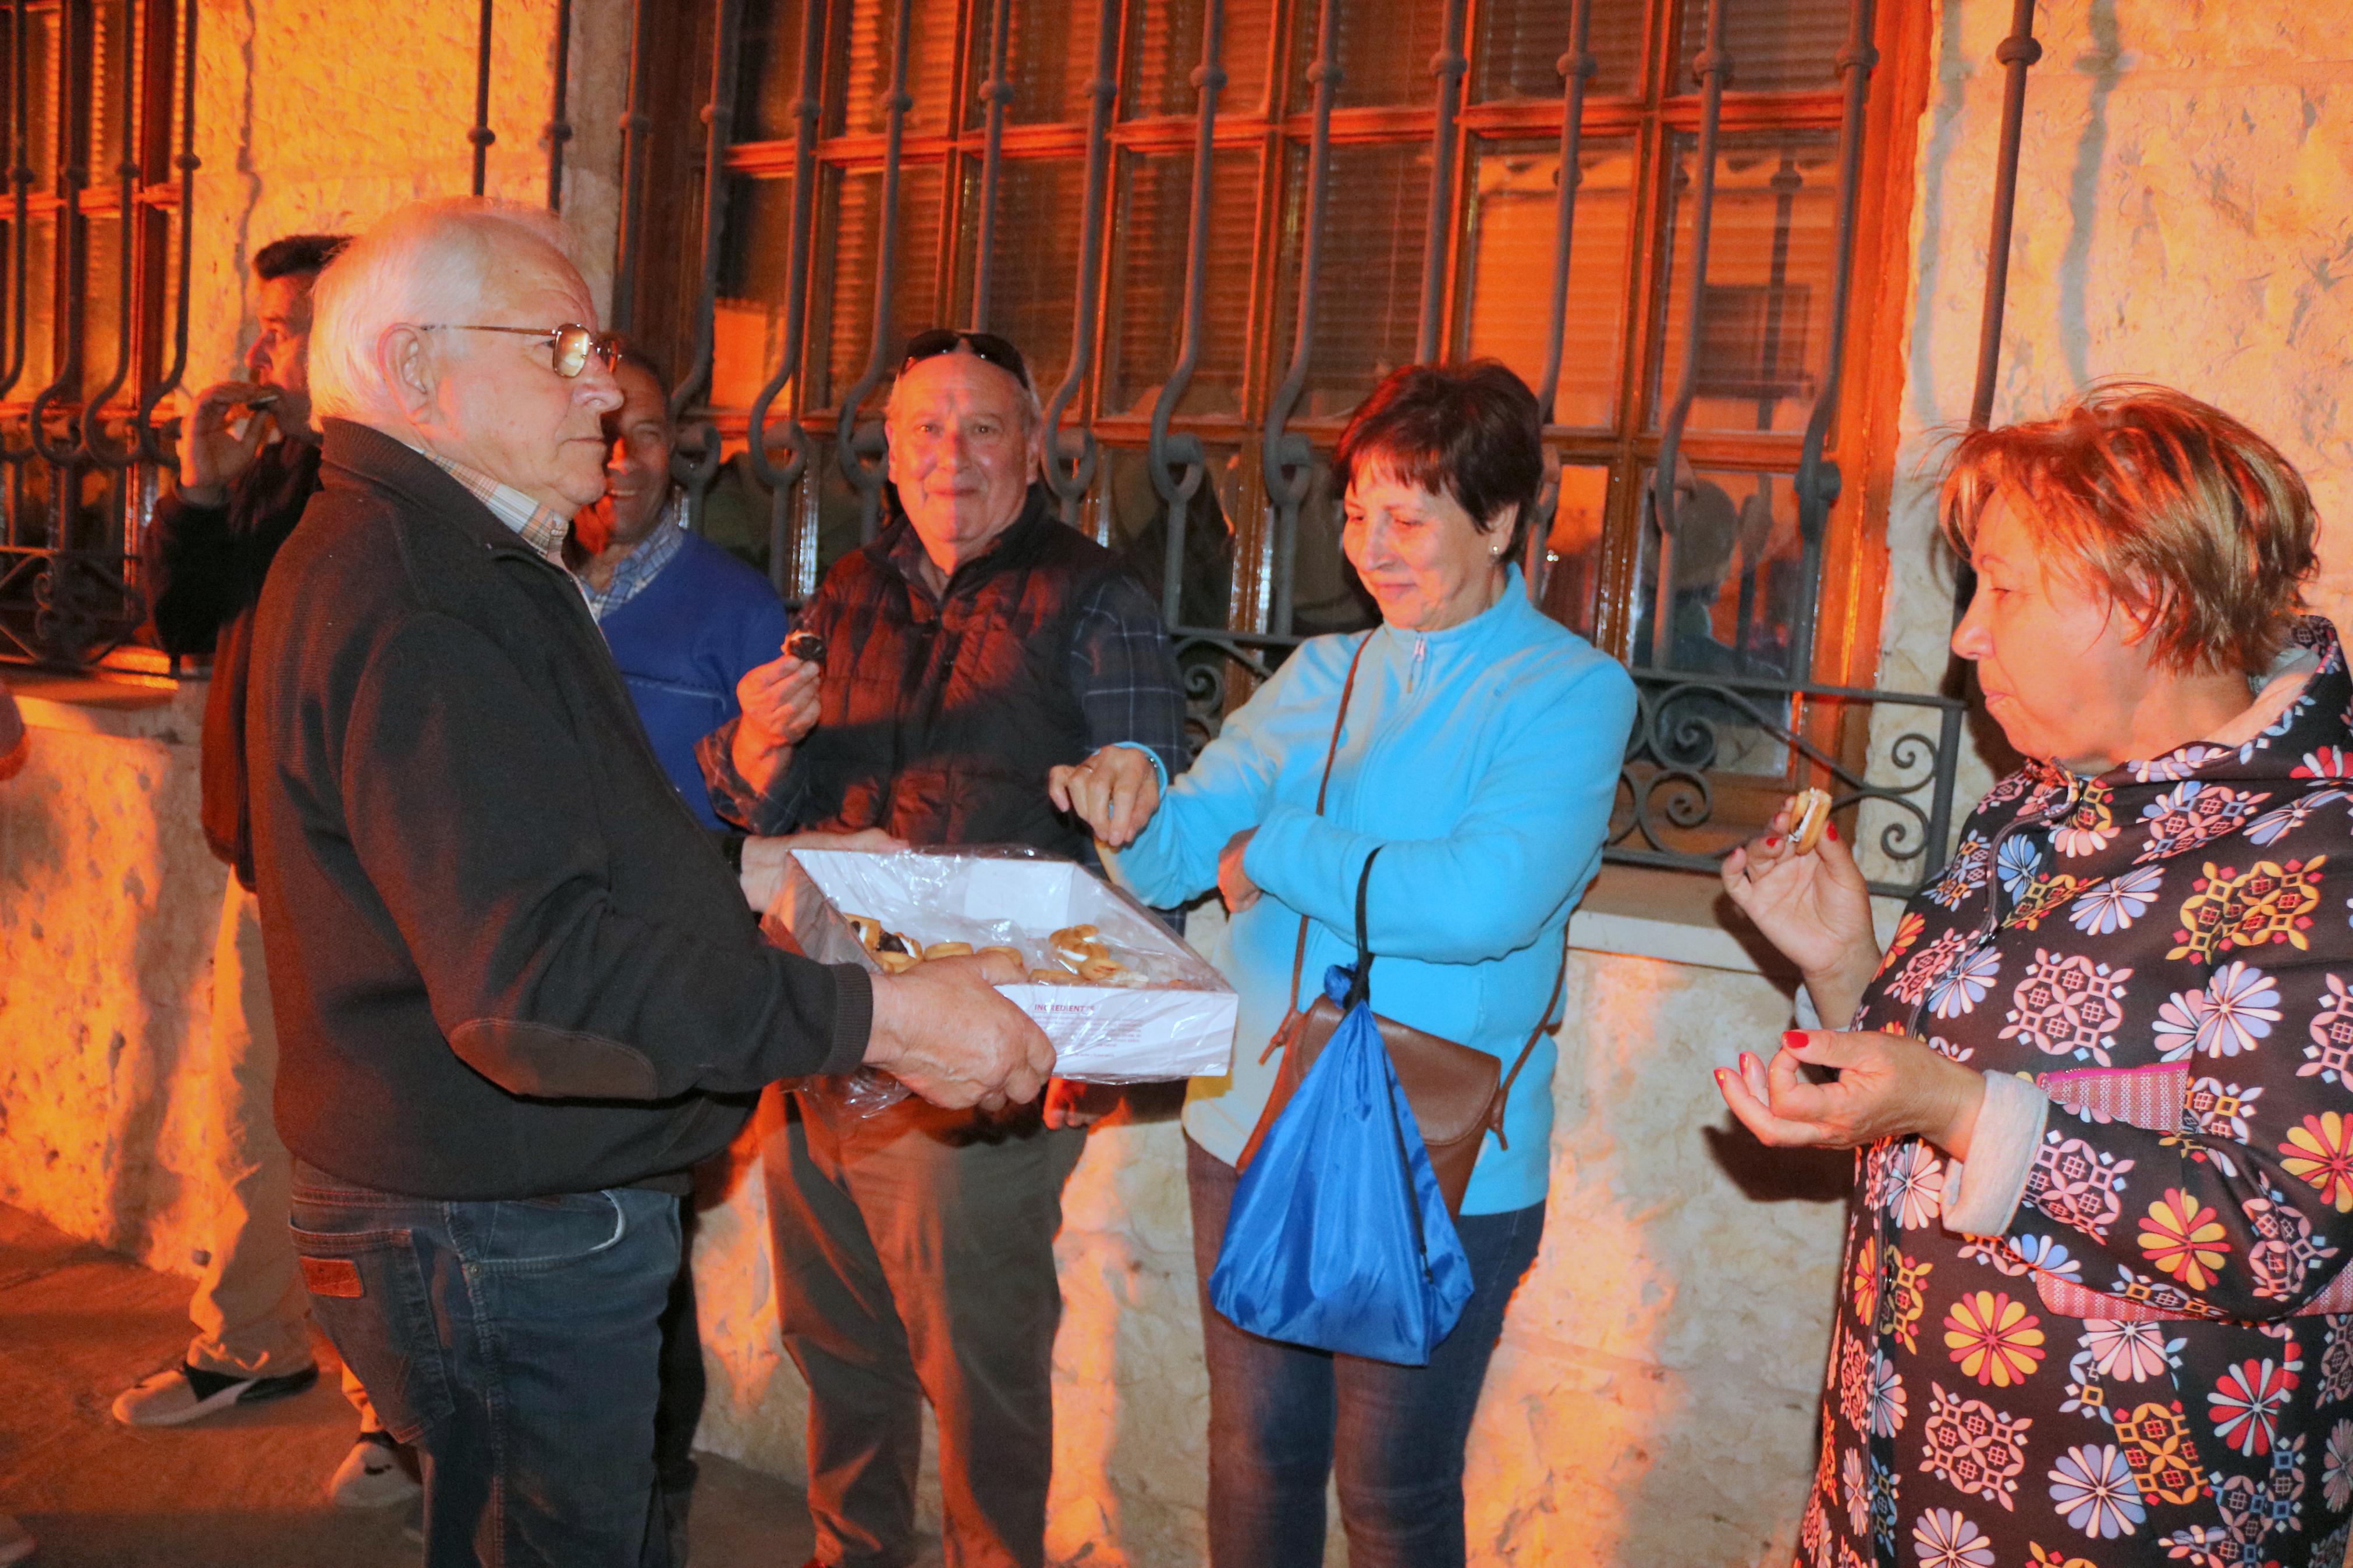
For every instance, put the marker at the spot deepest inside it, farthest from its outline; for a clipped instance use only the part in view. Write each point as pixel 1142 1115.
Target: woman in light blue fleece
pixel 1480 756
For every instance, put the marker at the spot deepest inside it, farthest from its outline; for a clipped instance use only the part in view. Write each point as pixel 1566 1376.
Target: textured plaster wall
pixel 2185 214
pixel 322 115
pixel 107 902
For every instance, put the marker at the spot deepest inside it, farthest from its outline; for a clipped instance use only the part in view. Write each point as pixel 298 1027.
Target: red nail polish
pixel 1772 841
pixel 1830 831
pixel 1793 1039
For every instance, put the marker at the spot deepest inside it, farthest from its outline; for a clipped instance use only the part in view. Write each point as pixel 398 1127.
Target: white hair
pixel 426 262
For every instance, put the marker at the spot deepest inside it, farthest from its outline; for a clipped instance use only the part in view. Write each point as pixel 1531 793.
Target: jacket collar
pixel 2191 797
pixel 366 458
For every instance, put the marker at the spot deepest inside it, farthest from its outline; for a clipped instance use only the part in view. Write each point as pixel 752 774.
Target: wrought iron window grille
pixel 69 589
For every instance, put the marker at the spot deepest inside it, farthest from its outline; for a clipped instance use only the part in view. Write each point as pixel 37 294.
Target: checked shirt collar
pixel 538 525
pixel 637 570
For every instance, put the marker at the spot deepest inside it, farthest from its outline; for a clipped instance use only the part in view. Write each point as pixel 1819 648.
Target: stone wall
pixel 107 900
pixel 322 115
pixel 2185 214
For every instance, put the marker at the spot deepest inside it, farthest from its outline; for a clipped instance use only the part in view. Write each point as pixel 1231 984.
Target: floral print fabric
pixel 2155 1363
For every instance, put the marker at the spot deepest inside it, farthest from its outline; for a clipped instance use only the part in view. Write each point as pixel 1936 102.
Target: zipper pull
pixel 1413 674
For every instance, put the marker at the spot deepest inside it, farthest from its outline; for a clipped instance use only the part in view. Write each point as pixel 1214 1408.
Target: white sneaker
pixel 184 1394
pixel 15 1541
pixel 376 1473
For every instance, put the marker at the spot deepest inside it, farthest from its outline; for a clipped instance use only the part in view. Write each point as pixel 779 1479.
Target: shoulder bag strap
pixel 1347 690
pixel 1545 1022
pixel 1360 988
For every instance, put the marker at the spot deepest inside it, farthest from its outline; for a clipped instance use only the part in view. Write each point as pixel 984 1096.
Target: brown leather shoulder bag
pixel 1458 1093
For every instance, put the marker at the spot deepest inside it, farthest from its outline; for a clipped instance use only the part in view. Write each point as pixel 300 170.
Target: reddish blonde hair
pixel 2189 520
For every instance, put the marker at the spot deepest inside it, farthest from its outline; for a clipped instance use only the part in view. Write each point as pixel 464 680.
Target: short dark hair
pixel 297 253
pixel 1468 432
pixel 639 359
pixel 645 364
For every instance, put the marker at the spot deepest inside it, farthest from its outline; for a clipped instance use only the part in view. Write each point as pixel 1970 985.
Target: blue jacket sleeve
pixel 1490 885
pixel 1227 789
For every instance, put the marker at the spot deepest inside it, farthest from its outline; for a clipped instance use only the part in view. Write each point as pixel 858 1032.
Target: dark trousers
pixel 517 1344
pixel 1282 1417
pixel 683 1385
pixel 914 1259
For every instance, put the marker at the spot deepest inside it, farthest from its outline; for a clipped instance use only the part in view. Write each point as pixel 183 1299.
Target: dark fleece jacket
pixel 506 961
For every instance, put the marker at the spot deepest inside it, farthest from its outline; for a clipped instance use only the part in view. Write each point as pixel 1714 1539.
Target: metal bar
pixel 20 178
pixel 482 135
pixel 1667 777
pixel 1577 66
pixel 1448 67
pixel 1785 184
pixel 634 125
pixel 865 478
pixel 151 448
pixel 1104 89
pixel 1165 452
pixel 1714 69
pixel 999 92
pixel 70 258
pixel 559 127
pixel 696 471
pixel 92 440
pixel 2018 54
pixel 1287 457
pixel 1819 481
pixel 798 257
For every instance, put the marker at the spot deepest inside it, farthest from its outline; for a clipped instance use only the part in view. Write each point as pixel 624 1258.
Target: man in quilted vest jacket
pixel 975 644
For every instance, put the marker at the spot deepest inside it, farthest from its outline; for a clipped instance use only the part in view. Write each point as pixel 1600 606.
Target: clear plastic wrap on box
pixel 1165 1014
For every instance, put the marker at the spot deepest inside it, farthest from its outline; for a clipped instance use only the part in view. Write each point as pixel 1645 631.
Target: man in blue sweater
pixel 686 621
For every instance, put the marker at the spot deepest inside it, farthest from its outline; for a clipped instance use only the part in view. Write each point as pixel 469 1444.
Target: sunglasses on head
pixel 985 345
pixel 569 345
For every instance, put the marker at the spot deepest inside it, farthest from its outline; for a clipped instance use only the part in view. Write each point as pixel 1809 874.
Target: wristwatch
pixel 731 845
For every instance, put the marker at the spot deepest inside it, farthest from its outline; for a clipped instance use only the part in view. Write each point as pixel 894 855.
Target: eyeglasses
pixel 985 345
pixel 569 345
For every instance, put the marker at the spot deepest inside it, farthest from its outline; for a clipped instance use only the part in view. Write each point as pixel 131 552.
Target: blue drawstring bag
pixel 1338 1237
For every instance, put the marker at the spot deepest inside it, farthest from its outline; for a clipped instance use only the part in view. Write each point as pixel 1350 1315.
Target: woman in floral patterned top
pixel 2093 1308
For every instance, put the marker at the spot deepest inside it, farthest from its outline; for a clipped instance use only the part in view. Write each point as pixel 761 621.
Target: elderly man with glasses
pixel 977 643
pixel 518 991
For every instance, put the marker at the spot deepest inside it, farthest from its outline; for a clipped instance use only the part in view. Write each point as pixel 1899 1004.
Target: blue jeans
pixel 1282 1417
pixel 516 1343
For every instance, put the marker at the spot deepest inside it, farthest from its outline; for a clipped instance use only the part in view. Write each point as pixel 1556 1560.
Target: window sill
pixel 1685 917
pixel 123 710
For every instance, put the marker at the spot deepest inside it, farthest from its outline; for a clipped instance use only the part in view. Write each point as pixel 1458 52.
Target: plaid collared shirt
pixel 542 527
pixel 637 569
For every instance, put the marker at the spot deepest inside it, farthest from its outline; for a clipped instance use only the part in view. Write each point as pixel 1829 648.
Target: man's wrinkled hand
pixel 779 699
pixel 945 1031
pixel 1114 792
pixel 212 456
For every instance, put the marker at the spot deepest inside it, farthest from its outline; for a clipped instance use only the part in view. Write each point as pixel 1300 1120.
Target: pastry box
pixel 1122 999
